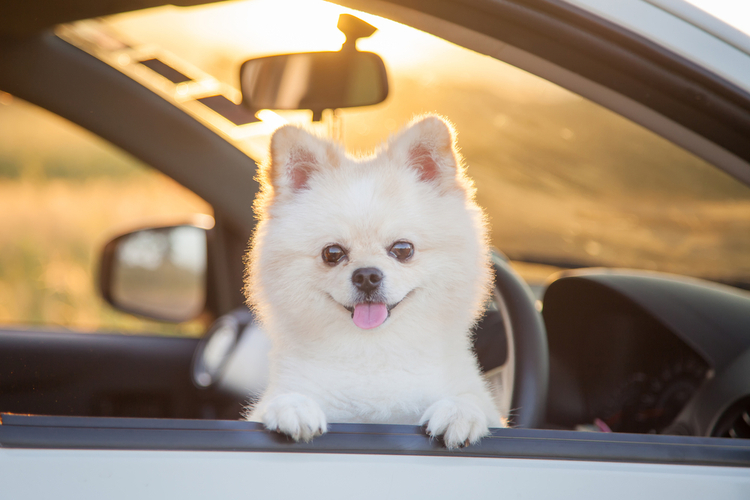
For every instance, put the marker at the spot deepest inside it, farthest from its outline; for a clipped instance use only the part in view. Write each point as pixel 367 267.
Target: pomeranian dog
pixel 368 275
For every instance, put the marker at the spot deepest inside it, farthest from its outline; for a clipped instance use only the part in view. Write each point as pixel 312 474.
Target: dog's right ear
pixel 428 147
pixel 296 155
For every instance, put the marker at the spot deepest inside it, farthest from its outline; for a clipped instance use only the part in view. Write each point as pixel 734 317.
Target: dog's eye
pixel 401 251
pixel 333 254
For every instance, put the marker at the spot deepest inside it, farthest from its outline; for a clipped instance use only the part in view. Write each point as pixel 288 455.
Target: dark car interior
pixel 633 349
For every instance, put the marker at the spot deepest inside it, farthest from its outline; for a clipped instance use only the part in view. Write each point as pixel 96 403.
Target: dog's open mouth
pixel 367 315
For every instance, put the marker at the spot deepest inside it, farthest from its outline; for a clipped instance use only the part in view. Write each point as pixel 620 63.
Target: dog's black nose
pixel 367 279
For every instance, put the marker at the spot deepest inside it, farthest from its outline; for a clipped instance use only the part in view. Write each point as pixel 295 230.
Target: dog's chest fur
pixel 374 383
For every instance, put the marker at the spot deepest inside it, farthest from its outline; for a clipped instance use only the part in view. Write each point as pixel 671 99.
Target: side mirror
pixel 317 80
pixel 159 273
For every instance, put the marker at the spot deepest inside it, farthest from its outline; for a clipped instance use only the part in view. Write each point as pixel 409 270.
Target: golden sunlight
pixel 216 38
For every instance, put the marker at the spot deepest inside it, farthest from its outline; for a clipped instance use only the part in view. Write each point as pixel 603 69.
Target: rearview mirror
pixel 158 273
pixel 317 80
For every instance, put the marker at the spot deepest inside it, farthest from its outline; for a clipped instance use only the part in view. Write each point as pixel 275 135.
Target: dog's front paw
pixel 296 415
pixel 459 420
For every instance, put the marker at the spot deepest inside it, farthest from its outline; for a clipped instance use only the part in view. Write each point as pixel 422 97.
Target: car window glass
pixel 565 182
pixel 568 183
pixel 63 194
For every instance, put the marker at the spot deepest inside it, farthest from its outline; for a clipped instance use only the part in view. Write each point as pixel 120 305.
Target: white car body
pixel 165 474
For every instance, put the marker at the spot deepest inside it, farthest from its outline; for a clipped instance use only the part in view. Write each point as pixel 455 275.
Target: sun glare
pixel 217 37
pixel 307 25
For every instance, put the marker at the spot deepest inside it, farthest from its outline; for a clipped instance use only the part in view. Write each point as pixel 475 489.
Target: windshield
pixel 565 182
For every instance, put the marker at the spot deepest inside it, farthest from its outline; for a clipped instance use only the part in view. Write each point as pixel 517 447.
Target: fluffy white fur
pixel 415 368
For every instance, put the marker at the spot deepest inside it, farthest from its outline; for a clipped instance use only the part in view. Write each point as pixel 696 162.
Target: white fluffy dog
pixel 367 275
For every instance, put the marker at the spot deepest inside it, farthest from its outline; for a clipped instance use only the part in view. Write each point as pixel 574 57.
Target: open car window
pixel 565 182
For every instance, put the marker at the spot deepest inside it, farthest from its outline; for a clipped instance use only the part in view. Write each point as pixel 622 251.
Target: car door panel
pixel 149 458
pixel 64 373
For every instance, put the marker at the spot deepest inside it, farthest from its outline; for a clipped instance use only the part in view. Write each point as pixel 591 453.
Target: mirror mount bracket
pixel 354 28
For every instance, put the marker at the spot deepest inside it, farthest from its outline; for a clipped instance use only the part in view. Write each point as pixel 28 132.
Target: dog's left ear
pixel 296 156
pixel 428 145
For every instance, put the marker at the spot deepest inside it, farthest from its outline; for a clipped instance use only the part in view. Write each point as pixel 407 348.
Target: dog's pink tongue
pixel 369 314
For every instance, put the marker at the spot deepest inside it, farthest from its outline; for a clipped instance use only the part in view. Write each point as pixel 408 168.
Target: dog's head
pixel 360 244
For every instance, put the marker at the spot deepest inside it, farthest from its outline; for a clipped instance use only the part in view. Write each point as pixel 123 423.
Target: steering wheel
pixel 511 345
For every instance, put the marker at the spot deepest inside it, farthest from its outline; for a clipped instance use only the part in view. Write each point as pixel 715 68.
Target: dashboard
pixel 638 352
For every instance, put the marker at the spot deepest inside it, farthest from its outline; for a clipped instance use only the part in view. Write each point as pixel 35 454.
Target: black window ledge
pixel 51 432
